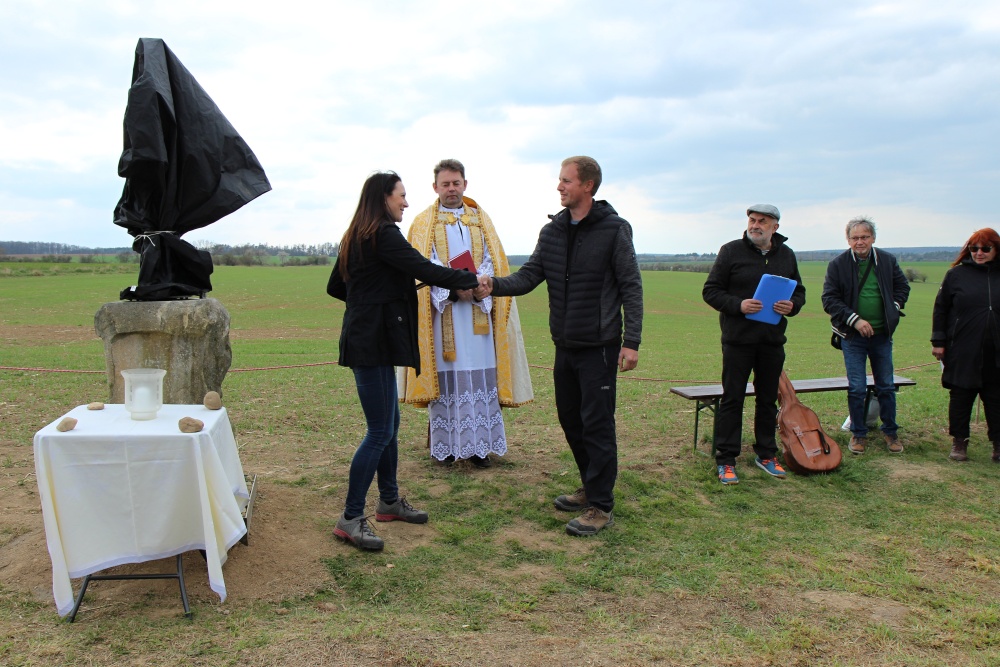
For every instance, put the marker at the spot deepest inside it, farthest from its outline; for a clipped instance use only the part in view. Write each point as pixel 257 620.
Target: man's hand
pixel 750 306
pixel 864 328
pixel 783 307
pixel 938 353
pixel 485 287
pixel 464 294
pixel 627 359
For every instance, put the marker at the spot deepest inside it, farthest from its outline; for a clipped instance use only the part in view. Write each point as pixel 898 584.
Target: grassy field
pixel 892 560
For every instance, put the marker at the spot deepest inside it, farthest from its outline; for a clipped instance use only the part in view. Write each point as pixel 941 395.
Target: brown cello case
pixel 806 447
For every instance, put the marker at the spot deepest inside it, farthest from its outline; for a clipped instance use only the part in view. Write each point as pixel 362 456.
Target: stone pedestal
pixel 187 338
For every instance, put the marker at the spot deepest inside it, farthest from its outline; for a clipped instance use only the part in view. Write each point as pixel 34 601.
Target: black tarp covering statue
pixel 185 167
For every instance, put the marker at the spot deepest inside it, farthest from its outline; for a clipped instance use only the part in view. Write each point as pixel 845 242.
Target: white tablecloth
pixel 115 490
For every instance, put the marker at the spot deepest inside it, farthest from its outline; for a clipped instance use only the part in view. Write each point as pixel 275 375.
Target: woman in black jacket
pixel 374 275
pixel 966 339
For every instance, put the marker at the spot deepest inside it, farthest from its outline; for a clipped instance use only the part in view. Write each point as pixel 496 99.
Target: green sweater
pixel 870 306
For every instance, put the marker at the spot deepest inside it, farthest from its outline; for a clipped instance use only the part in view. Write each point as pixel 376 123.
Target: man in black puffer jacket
pixel 747 344
pixel 587 259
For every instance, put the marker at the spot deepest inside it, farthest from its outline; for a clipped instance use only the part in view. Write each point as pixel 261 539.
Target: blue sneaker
pixel 771 467
pixel 727 475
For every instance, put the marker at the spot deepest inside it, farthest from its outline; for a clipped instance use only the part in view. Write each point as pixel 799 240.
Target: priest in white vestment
pixel 471 353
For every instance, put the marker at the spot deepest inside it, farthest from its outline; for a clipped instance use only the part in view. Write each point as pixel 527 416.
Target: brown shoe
pixel 590 522
pixel 574 502
pixel 996 452
pixel 858 445
pixel 959 449
pixel 893 445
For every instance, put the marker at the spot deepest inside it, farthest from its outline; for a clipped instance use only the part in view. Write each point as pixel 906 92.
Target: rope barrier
pixel 334 363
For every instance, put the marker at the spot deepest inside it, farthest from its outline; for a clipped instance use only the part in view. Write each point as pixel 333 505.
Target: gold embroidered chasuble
pixel 513 381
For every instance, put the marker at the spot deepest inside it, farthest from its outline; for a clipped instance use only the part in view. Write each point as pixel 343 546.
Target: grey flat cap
pixel 765 209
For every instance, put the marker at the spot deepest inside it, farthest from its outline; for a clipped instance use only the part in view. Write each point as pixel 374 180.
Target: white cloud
pixel 694 110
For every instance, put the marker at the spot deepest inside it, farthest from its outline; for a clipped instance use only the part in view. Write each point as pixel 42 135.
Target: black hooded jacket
pixel 588 282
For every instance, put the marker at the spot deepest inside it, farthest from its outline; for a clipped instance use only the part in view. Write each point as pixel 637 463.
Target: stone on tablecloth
pixel 213 401
pixel 190 425
pixel 67 424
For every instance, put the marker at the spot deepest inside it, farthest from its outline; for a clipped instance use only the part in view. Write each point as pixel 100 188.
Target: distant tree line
pixel 222 254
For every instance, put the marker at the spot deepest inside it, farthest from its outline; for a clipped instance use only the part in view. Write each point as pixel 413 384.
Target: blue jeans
pixel 857 351
pixel 379 450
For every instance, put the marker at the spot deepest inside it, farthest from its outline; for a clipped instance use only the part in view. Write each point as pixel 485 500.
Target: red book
pixel 463 261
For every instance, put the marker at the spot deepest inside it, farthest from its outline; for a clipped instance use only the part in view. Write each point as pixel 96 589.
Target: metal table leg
pixel 178 575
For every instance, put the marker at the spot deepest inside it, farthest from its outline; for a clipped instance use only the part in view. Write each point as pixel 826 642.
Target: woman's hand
pixel 938 353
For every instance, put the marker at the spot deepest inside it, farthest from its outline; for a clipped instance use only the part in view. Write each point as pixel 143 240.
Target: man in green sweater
pixel 864 294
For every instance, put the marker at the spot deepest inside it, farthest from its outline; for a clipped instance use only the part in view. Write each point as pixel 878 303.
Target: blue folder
pixel 771 289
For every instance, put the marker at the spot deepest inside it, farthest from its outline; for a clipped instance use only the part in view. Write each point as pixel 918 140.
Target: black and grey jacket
pixel 589 282
pixel 841 290
pixel 734 277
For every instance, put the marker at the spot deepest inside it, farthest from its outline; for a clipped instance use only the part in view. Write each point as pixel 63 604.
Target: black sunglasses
pixel 977 248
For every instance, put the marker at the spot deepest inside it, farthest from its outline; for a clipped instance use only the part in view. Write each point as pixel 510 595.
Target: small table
pixel 115 491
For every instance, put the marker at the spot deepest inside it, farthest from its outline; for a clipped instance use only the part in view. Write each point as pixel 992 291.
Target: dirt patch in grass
pixel 892 614
pixel 28 334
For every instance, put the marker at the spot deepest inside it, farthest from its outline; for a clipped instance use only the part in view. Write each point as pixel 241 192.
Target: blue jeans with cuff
pixel 858 350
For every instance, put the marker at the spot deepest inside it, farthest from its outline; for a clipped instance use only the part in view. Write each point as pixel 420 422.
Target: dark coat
pixel 380 321
pixel 734 277
pixel 841 289
pixel 965 312
pixel 588 283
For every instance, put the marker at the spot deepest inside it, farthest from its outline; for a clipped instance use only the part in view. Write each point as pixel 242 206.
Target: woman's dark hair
pixel 372 211
pixel 984 236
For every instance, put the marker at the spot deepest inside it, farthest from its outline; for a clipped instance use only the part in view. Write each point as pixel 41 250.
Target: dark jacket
pixel 734 277
pixel 965 313
pixel 380 321
pixel 588 283
pixel 841 289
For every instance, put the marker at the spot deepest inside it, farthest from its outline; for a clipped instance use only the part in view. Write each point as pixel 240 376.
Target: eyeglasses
pixel 980 248
pixel 859 238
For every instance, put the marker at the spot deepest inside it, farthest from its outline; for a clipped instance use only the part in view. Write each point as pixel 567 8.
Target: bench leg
pixel 713 407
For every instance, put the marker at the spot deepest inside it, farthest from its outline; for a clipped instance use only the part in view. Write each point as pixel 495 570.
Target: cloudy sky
pixel 694 110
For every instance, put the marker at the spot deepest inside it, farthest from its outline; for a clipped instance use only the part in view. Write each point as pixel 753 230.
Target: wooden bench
pixel 707 397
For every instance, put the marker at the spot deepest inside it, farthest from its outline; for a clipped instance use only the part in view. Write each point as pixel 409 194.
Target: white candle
pixel 143 400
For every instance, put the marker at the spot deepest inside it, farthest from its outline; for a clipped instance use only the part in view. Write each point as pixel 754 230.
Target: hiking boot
pixel 574 502
pixel 960 449
pixel 591 522
pixel 893 444
pixel 771 467
pixel 358 531
pixel 858 445
pixel 996 452
pixel 727 475
pixel 481 461
pixel 399 511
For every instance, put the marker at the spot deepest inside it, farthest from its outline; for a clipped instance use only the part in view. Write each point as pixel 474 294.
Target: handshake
pixel 479 293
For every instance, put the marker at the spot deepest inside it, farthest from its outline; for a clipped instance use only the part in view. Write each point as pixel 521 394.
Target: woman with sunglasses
pixel 966 339
pixel 374 275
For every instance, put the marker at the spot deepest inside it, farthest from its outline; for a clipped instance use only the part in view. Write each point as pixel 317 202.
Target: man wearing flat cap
pixel 749 345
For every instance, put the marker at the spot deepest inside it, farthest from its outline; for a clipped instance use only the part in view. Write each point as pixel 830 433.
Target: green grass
pixel 890 560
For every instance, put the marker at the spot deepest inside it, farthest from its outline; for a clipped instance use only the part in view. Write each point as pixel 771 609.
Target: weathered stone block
pixel 187 338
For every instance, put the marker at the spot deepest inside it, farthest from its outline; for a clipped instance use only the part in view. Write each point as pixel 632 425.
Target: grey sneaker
pixel 574 502
pixel 358 532
pixel 590 522
pixel 399 511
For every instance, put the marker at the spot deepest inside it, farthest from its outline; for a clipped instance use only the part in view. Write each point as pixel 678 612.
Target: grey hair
pixel 858 221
